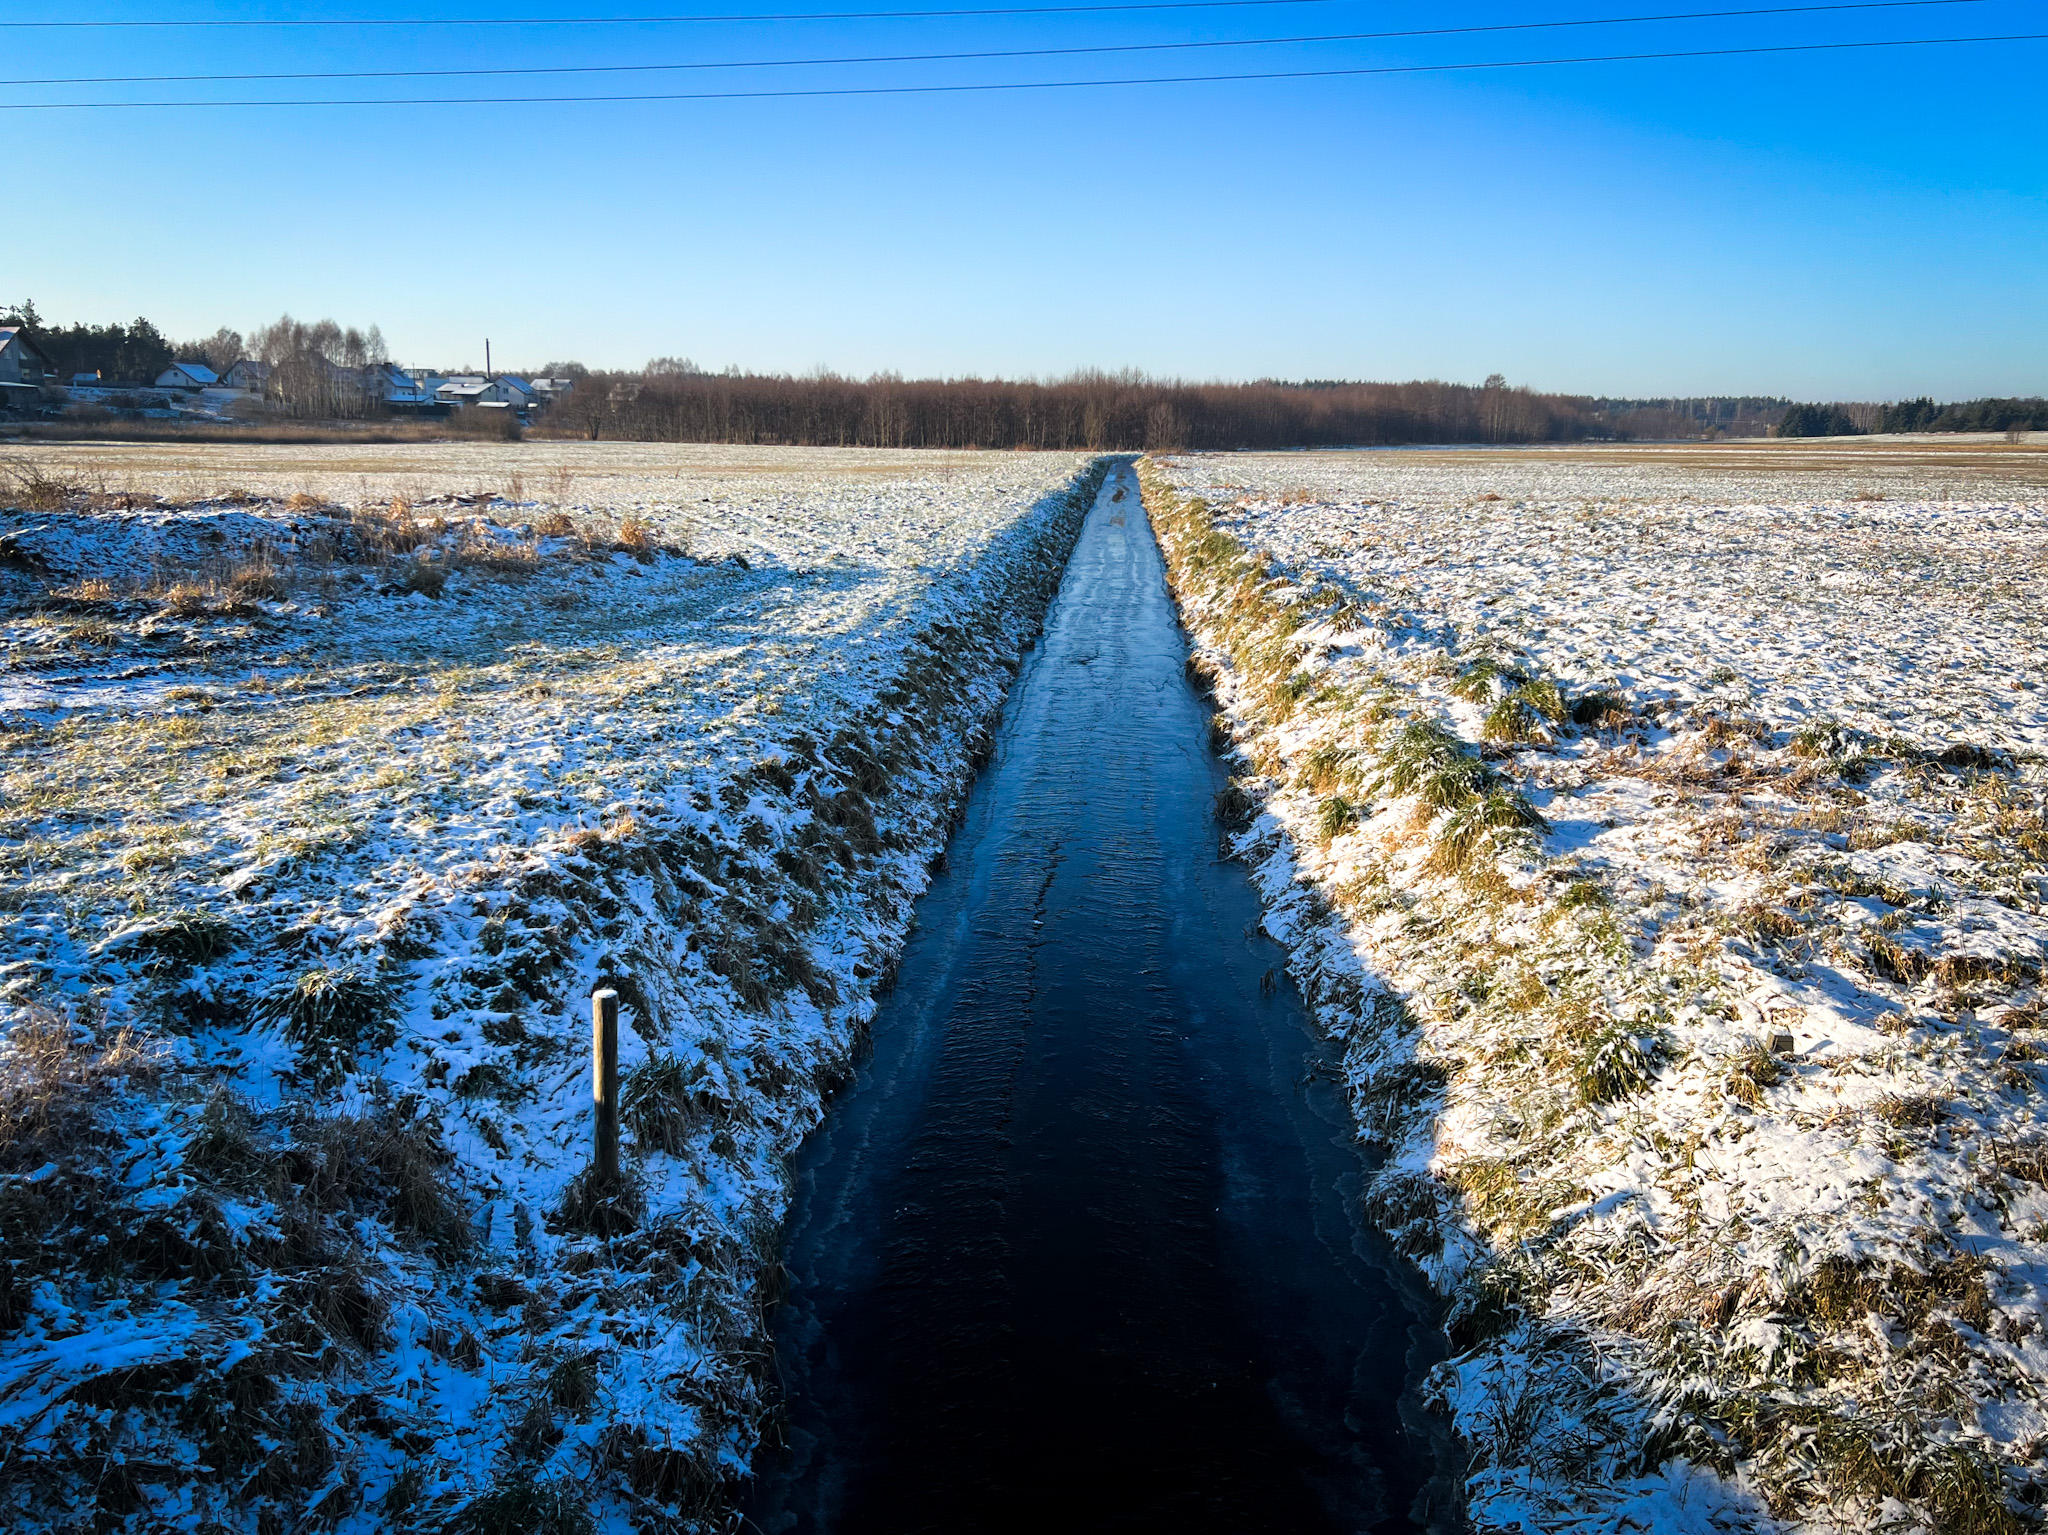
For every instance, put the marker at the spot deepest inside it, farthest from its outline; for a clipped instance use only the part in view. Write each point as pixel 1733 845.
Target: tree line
pixel 1708 416
pixel 1990 415
pixel 674 402
pixel 322 371
pixel 134 353
pixel 1921 415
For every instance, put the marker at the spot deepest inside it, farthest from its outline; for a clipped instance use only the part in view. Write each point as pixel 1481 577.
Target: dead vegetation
pixel 274 1425
pixel 392 543
pixel 248 852
pixel 49 1064
pixel 1565 1023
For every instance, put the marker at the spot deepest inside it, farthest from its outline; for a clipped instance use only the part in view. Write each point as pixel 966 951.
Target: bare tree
pixel 1493 408
pixel 321 371
pixel 221 350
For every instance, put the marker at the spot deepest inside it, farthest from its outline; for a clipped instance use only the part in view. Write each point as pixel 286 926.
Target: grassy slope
pixel 1703 1281
pixel 307 875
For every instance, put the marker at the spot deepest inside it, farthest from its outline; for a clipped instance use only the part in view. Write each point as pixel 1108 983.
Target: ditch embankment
pixel 322 822
pixel 1665 853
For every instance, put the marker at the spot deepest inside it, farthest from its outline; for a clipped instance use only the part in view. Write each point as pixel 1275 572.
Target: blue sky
pixel 1848 225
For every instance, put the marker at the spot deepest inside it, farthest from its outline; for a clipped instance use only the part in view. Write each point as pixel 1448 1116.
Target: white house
pixel 463 389
pixel 248 375
pixel 395 386
pixel 23 367
pixel 546 391
pixel 86 380
pixel 188 375
pixel 468 390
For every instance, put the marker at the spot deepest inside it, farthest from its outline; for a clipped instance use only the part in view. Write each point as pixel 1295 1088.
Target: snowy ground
pixel 1666 833
pixel 164 404
pixel 327 803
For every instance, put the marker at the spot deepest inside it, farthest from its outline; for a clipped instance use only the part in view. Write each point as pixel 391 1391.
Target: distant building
pixel 468 390
pixel 395 386
pixel 86 380
pixel 24 368
pixel 462 390
pixel 248 375
pixel 546 391
pixel 188 375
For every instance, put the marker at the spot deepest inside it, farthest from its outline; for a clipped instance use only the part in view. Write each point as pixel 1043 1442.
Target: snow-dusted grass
pixel 325 808
pixel 682 479
pixel 1666 835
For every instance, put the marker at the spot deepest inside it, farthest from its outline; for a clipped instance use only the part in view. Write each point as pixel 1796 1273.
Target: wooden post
pixel 604 1078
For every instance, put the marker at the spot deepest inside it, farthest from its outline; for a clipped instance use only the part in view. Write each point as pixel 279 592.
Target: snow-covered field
pixel 327 803
pixel 1665 831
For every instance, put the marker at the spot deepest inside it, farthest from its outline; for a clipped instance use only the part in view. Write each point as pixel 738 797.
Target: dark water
pixel 1079 1248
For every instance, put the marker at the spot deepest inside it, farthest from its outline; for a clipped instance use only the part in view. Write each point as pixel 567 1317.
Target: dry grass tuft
pixel 88 595
pixel 258 581
pixel 599 1206
pixel 1751 1070
pixel 48 1059
pixel 1236 806
pixel 428 578
pixel 331 1016
pixel 664 1101
pixel 1603 709
pixel 525 1505
pixel 28 487
pixel 187 599
pixel 1532 712
pixel 1916 1110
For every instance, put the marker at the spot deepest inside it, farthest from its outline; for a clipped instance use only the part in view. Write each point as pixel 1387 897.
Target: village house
pixel 398 388
pixel 187 375
pixel 24 369
pixel 248 375
pixel 470 390
pixel 462 390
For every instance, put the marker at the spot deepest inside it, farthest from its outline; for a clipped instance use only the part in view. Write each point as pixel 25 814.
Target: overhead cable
pixel 1031 85
pixel 1004 53
pixel 743 16
pixel 662 21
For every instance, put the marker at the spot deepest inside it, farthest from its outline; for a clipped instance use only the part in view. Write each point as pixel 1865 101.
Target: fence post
pixel 604 1078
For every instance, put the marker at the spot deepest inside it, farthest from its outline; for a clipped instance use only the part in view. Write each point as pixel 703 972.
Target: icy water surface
pixel 1079 1249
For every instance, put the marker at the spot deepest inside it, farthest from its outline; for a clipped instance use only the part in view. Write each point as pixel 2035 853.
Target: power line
pixel 1031 85
pixel 650 21
pixel 1006 53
